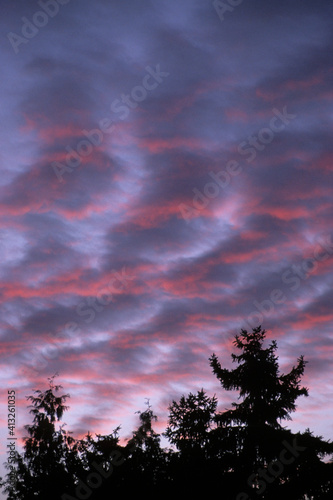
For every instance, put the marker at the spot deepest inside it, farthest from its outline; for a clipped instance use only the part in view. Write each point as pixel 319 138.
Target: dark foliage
pixel 241 453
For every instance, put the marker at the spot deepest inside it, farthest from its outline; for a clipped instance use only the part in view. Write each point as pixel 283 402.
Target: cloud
pixel 195 283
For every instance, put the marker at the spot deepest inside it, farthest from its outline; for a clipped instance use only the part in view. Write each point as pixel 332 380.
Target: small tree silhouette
pixel 190 426
pixel 190 421
pixel 49 463
pixel 145 465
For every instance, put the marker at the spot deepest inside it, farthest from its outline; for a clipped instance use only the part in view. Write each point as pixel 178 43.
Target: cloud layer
pixel 166 181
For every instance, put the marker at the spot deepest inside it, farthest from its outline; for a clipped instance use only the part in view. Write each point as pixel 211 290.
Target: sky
pixel 166 180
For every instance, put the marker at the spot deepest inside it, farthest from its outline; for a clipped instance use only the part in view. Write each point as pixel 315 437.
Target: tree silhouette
pixel 99 458
pixel 190 426
pixel 49 463
pixel 251 431
pixel 267 397
pixel 243 452
pixel 145 459
pixel 190 421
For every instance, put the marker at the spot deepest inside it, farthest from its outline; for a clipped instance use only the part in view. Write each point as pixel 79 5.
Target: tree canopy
pixel 245 452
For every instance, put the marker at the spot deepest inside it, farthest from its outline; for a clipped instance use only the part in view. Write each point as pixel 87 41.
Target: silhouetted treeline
pixel 241 453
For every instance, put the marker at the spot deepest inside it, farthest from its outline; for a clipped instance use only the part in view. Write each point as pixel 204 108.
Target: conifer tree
pixel 49 463
pixel 254 440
